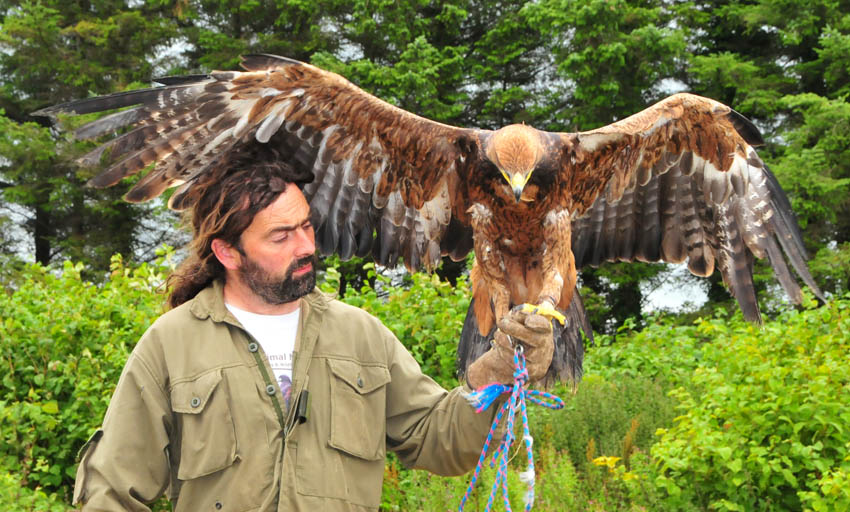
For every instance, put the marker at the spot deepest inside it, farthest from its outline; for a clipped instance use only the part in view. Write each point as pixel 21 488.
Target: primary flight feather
pixel 679 181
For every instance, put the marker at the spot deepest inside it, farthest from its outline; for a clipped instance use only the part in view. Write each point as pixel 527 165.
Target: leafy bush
pixel 611 417
pixel 766 426
pixel 556 486
pixel 16 497
pixel 763 425
pixel 63 342
pixel 663 351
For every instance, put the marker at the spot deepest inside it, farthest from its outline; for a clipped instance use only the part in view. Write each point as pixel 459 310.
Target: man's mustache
pixel 312 259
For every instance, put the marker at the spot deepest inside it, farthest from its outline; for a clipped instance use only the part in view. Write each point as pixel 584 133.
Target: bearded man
pixel 258 392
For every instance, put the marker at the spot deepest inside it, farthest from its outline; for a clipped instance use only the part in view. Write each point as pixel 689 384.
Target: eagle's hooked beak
pixel 517 182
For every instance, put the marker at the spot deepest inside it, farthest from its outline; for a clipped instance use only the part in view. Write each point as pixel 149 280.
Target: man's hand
pixel 533 331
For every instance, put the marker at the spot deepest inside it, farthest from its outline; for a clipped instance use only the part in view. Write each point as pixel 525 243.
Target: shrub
pixel 766 424
pixel 663 351
pixel 556 486
pixel 763 425
pixel 63 343
pixel 615 416
pixel 15 497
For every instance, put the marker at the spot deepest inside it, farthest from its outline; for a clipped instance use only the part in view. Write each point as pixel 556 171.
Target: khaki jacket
pixel 197 413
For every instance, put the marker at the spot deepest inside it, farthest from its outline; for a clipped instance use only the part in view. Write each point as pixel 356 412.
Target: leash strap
pixel 481 399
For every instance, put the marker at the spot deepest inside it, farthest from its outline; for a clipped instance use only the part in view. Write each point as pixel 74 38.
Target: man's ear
pixel 226 254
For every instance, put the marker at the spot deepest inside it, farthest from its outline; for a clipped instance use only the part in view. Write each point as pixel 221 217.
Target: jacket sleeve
pixel 428 427
pixel 125 464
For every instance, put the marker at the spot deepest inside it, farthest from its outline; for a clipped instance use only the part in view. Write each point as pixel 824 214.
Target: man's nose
pixel 306 240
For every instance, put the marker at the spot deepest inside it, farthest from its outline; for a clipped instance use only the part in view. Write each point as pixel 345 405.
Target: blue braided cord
pixel 483 456
pixel 481 399
pixel 553 403
pixel 529 472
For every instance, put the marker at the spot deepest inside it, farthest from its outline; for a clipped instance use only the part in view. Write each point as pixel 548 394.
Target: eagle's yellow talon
pixel 544 310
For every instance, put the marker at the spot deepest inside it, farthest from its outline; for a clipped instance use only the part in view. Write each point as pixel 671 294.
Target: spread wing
pixel 681 181
pixel 379 179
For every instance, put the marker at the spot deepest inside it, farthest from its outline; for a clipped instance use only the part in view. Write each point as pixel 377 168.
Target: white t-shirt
pixel 276 334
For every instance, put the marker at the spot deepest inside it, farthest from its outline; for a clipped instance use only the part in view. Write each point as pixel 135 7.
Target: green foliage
pixel 832 268
pixel 662 351
pixel 719 75
pixel 63 342
pixel 556 487
pixel 765 425
pixel 612 53
pixel 816 164
pixel 601 414
pixel 16 497
pixel 762 426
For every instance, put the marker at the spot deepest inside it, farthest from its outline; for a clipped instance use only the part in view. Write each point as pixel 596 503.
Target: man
pixel 200 411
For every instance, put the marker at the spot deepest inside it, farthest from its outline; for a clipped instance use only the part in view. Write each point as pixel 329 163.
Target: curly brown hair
pixel 223 205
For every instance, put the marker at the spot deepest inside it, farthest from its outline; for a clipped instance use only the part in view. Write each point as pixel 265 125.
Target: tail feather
pixel 568 359
pixel 472 343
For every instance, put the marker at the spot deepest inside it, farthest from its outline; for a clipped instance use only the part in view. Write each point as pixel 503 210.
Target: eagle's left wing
pixel 681 180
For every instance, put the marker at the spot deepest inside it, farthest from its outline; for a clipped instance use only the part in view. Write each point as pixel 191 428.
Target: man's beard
pixel 279 290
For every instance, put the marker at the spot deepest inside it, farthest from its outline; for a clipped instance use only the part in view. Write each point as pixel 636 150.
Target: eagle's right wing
pixel 379 179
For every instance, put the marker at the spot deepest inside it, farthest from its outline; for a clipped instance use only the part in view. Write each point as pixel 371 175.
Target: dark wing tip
pixel 788 232
pixel 69 107
pixel 46 112
pixel 100 103
pixel 97 182
pixel 180 80
pixel 745 128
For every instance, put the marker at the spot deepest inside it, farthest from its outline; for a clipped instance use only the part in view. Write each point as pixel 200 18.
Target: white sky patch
pixel 675 291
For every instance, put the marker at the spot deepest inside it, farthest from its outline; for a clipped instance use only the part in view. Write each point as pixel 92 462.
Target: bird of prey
pixel 679 181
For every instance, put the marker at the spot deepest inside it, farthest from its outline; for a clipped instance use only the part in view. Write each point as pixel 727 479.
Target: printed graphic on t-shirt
pixel 285 387
pixel 282 367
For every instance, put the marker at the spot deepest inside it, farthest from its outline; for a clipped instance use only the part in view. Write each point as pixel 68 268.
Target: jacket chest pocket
pixel 358 409
pixel 205 426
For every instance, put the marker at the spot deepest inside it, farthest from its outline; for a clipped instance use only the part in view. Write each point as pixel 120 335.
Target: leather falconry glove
pixel 533 331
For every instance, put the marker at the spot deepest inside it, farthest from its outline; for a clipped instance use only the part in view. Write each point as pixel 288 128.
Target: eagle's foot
pixel 545 309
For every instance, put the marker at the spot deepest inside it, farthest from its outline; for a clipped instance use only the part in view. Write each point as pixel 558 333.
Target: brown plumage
pixel 679 181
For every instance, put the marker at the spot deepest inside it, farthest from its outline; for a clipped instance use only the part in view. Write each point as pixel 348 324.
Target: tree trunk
pixel 43 234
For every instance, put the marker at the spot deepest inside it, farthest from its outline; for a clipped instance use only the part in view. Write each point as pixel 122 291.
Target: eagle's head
pixel 515 150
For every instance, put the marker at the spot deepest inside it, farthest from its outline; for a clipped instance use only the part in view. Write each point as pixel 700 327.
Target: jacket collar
pixel 209 303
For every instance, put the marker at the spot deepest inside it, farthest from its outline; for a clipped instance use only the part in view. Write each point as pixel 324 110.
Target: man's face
pixel 278 250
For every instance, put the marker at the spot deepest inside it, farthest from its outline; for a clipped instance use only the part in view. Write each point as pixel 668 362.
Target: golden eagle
pixel 679 181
